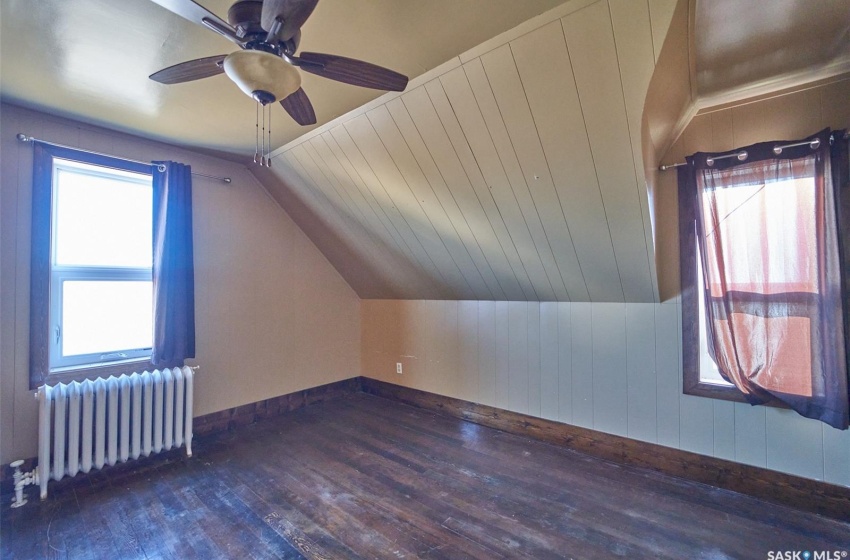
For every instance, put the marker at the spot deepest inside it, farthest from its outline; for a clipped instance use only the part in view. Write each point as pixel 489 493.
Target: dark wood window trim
pixel 690 302
pixel 692 385
pixel 42 189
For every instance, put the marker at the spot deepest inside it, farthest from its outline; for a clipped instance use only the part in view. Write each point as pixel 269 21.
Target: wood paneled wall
pixel 613 367
pixel 272 314
pixel 512 172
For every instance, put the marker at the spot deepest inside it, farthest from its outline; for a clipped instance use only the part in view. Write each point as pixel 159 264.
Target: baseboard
pixel 220 421
pixel 269 408
pixel 772 486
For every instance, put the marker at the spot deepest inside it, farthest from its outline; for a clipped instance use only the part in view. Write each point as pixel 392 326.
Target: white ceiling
pixel 511 173
pixel 742 45
pixel 90 60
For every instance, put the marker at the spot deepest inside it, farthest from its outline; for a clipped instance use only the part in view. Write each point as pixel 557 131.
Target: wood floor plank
pixel 681 499
pixel 359 476
pixel 522 494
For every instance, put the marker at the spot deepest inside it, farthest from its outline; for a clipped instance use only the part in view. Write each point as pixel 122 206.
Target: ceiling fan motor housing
pixel 246 14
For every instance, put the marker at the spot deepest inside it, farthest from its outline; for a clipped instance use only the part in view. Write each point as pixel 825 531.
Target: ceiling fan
pixel 268 32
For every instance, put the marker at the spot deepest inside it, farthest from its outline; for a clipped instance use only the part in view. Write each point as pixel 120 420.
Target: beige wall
pixel 781 117
pixel 272 314
pixel 613 367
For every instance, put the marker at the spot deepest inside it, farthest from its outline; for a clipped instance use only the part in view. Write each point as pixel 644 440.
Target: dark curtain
pixel 173 267
pixel 771 252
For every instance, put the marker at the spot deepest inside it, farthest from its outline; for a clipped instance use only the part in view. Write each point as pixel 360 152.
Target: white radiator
pixel 85 425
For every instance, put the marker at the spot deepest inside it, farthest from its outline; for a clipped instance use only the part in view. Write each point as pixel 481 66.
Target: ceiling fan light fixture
pixel 264 76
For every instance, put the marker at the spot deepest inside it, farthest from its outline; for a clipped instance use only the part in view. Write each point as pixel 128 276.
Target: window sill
pixel 724 393
pixel 94 371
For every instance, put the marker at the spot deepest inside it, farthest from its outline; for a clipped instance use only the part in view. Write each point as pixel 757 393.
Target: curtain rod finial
pixel 24 138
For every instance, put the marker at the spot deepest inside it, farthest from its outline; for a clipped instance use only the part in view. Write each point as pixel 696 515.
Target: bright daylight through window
pixel 772 222
pixel 100 265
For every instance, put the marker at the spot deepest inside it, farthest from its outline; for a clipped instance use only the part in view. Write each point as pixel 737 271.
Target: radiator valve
pixel 22 480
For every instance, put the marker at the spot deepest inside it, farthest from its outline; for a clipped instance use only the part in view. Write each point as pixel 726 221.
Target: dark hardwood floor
pixel 363 477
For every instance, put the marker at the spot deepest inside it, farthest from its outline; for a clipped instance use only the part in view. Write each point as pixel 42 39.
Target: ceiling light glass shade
pixel 258 71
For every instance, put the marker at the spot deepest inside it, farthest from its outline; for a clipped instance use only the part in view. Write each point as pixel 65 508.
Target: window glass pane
pixel 767 235
pixel 106 316
pixel 102 217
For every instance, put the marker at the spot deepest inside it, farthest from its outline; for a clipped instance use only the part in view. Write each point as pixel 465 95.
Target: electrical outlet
pixel 398 367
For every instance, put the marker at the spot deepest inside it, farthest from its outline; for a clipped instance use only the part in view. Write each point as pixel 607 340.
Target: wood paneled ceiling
pixel 512 172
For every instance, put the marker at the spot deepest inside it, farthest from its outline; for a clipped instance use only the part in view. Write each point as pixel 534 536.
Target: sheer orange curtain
pixel 771 249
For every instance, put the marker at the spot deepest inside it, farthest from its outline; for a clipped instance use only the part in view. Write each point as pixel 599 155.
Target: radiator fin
pixel 74 409
pixel 89 424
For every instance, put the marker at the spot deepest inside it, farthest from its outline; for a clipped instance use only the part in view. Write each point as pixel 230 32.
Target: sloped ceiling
pixel 512 172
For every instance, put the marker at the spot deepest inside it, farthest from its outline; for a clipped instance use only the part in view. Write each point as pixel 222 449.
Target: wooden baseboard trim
pixel 269 408
pixel 801 493
pixel 220 421
pixel 776 487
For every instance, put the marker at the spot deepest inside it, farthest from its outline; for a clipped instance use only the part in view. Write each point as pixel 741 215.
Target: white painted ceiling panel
pixel 508 202
pixel 545 67
pixel 510 177
pixel 409 207
pixel 471 282
pixel 636 60
pixel 590 40
pixel 460 142
pixel 472 131
pixel 533 175
pixel 377 221
pixel 440 198
pixel 398 221
pixel 453 185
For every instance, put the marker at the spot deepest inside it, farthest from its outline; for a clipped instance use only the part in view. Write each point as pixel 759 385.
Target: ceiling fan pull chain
pixel 269 152
pixel 262 158
pixel 257 134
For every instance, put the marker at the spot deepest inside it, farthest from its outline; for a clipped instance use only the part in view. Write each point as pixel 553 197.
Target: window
pixel 92 289
pixel 762 267
pixel 779 217
pixel 100 266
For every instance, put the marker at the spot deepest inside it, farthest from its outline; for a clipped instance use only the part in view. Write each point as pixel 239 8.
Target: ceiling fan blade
pixel 191 70
pixel 351 71
pixel 200 15
pixel 299 108
pixel 292 13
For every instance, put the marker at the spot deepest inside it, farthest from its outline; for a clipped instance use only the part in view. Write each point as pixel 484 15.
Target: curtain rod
pixel 24 138
pixel 742 155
